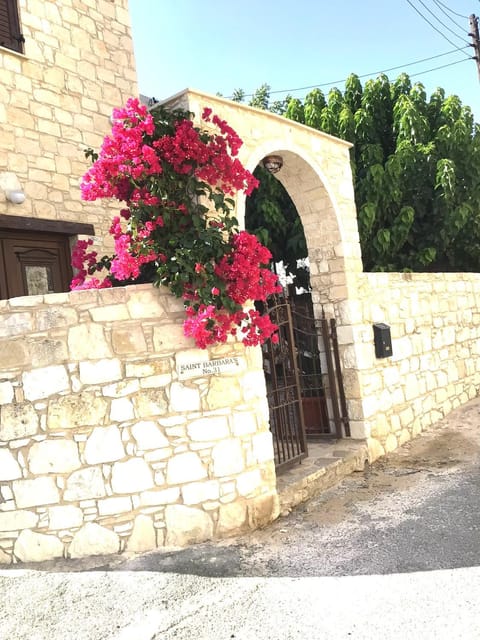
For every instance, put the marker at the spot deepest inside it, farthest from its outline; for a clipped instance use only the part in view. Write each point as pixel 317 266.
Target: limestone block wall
pixel 116 433
pixel 435 367
pixel 56 100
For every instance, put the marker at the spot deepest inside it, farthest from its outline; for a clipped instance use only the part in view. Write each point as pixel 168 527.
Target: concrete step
pixel 327 463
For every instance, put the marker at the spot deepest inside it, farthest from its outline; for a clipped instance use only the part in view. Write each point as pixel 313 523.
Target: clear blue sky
pixel 221 45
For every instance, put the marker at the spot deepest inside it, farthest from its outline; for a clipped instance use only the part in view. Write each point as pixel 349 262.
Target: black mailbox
pixel 383 340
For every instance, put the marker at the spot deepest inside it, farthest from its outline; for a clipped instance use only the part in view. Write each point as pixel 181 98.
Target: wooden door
pixel 33 263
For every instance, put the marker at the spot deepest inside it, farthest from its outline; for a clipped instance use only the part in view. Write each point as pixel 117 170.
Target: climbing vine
pixel 177 226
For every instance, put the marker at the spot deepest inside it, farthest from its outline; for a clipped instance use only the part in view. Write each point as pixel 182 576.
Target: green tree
pixel 261 97
pixel 238 95
pixel 272 216
pixel 416 170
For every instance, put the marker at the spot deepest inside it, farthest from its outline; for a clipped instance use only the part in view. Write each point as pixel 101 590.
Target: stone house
pixel 63 67
pixel 107 442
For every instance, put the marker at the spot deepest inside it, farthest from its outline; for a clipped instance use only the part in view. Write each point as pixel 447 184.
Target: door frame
pixel 34 235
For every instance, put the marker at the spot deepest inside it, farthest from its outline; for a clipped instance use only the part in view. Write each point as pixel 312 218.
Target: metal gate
pixel 283 389
pixel 304 400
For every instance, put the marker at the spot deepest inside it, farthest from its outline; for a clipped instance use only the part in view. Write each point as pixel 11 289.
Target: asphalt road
pixel 392 552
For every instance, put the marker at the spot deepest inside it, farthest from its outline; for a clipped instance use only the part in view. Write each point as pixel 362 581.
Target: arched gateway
pixel 316 174
pixel 116 433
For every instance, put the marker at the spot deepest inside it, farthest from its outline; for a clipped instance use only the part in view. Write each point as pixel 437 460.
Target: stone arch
pixel 315 201
pixel 318 178
pixel 317 175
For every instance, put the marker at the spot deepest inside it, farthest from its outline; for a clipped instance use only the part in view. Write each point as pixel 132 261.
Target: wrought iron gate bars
pixel 286 392
pixel 283 391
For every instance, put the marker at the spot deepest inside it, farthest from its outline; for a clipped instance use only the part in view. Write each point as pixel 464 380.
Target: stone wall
pixel 113 437
pixel 56 100
pixel 435 366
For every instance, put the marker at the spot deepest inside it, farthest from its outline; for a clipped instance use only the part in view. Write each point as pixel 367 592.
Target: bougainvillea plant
pixel 177 227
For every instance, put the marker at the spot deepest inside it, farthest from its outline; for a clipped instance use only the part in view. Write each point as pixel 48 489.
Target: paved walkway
pixel 327 463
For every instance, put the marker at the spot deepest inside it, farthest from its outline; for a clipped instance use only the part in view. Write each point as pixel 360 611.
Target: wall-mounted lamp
pixel 16 196
pixel 273 164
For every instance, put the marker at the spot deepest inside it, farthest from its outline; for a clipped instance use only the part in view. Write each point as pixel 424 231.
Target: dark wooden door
pixel 33 263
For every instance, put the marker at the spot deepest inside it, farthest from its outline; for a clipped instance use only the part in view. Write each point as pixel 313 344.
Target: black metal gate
pixel 283 389
pixel 301 396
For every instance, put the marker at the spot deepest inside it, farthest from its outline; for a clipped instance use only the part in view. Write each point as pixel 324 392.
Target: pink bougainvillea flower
pixel 164 169
pixel 93 283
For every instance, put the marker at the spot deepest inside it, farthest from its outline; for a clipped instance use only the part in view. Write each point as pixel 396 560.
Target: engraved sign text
pixel 231 364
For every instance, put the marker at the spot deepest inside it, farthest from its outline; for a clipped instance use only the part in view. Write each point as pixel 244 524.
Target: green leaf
pixel 445 180
pixel 427 256
pixel 366 218
pixel 381 243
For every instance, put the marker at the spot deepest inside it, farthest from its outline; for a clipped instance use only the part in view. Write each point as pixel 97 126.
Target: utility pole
pixel 475 40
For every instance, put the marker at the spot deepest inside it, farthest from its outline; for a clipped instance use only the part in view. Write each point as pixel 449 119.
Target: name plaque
pixel 188 370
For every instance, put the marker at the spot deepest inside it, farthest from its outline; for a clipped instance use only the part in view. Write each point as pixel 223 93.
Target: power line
pixel 443 66
pixel 430 23
pixel 460 15
pixel 372 73
pixel 439 5
pixel 455 33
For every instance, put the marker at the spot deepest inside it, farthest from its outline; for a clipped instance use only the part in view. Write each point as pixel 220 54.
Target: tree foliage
pixel 416 170
pixel 272 216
